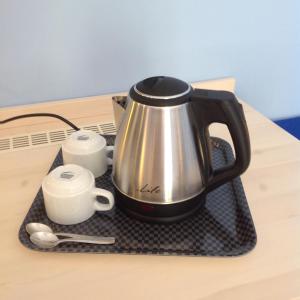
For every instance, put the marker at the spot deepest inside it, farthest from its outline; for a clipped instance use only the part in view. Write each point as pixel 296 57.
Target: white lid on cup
pixel 84 142
pixel 67 180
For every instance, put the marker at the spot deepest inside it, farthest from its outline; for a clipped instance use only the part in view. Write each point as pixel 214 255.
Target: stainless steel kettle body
pixel 162 166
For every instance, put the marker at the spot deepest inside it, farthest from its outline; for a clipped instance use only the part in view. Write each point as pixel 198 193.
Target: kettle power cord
pixel 40 115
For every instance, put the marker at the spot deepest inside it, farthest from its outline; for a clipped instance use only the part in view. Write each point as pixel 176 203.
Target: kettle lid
pixel 161 91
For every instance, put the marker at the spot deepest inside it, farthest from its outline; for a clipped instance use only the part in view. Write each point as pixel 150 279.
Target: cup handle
pixel 108 195
pixel 109 149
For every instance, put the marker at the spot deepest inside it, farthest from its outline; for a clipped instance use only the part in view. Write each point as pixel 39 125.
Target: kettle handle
pixel 207 107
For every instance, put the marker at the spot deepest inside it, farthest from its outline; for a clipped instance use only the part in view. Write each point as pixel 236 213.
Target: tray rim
pixel 215 141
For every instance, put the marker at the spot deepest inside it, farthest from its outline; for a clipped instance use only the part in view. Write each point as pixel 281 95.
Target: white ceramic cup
pixel 70 195
pixel 88 149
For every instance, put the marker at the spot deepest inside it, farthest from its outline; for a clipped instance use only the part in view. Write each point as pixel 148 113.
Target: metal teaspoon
pixel 50 240
pixel 39 227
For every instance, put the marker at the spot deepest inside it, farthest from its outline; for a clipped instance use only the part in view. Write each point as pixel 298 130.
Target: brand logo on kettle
pixel 149 189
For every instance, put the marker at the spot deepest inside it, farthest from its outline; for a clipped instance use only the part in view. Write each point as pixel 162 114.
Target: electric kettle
pixel 162 166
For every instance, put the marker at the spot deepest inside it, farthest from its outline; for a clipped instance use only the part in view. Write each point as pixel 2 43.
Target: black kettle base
pixel 158 213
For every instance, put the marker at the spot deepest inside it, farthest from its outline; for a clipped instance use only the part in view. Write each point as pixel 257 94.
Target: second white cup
pixel 88 149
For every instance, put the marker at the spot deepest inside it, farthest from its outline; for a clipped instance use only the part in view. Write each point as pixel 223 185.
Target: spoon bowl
pixel 44 239
pixel 37 227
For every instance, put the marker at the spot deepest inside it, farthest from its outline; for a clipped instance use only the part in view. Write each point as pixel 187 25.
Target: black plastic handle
pixel 207 107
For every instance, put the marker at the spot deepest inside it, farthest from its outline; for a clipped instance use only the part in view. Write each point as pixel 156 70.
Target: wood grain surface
pixel 272 185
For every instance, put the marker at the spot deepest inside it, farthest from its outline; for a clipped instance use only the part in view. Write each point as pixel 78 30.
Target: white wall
pixel 54 49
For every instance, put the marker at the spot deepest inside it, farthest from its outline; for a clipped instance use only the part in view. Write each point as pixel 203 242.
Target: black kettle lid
pixel 161 91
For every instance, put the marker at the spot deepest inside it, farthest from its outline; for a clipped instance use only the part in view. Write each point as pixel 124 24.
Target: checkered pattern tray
pixel 224 227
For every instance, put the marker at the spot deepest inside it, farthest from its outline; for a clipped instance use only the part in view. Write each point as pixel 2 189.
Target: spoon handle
pixel 79 236
pixel 98 240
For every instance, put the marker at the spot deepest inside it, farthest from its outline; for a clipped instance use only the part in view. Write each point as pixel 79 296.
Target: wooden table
pixel 272 185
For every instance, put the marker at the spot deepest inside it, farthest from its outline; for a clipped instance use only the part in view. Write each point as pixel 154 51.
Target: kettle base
pixel 158 213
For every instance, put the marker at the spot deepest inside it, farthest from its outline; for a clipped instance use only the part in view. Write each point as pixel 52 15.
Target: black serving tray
pixel 223 227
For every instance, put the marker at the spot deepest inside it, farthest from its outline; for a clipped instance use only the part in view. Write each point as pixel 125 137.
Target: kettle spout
pixel 119 106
